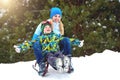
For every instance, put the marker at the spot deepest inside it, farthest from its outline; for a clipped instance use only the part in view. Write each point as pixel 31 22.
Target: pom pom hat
pixel 54 11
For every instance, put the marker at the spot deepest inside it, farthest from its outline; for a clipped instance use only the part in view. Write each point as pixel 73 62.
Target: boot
pixel 71 69
pixel 59 64
pixel 41 68
pixel 66 63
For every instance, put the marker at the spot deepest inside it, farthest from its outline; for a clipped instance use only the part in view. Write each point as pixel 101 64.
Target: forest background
pixel 97 22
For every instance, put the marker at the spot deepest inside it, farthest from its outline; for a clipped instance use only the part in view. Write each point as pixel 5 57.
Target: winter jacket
pixel 49 42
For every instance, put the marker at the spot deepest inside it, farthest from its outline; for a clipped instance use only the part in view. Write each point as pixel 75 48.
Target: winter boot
pixel 66 63
pixel 59 64
pixel 41 68
pixel 71 69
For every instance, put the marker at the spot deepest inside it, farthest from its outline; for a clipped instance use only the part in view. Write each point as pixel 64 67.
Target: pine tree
pixel 95 21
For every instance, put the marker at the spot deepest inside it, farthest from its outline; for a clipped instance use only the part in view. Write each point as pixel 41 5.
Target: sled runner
pixel 46 68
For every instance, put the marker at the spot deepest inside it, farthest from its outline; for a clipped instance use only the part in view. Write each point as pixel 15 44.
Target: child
pixel 48 44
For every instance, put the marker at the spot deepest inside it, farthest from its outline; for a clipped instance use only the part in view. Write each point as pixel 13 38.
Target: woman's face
pixel 47 29
pixel 56 18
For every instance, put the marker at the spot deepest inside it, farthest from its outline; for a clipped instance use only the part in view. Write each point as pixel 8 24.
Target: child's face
pixel 56 18
pixel 47 29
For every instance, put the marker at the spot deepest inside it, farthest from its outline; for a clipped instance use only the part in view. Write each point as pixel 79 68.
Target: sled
pixel 46 68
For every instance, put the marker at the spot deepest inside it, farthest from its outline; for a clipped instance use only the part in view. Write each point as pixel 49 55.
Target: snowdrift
pixel 99 66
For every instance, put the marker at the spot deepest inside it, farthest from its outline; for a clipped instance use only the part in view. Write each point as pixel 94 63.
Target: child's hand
pixel 81 43
pixel 17 49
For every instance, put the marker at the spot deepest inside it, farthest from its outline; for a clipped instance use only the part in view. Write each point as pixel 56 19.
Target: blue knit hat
pixel 54 11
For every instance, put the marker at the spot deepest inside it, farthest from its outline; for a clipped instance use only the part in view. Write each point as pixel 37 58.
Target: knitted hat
pixel 44 24
pixel 54 11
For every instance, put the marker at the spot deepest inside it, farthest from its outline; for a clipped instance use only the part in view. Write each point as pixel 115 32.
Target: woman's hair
pixel 61 26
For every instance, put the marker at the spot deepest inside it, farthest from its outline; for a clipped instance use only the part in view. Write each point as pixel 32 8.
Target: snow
pixel 99 66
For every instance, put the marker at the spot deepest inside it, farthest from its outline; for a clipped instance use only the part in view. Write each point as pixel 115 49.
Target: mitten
pixel 81 43
pixel 17 48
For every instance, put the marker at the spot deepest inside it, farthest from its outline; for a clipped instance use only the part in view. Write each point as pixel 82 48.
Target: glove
pixel 81 43
pixel 17 49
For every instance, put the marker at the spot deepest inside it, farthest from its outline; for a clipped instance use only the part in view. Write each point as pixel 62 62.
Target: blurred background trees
pixel 97 22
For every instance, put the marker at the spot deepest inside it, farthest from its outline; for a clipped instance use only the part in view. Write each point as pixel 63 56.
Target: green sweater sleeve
pixel 75 42
pixel 26 45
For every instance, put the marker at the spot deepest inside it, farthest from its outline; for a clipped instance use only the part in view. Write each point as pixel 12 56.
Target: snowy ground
pixel 102 66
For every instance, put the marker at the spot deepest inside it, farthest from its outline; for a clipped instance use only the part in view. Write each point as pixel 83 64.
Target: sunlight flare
pixel 5 2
